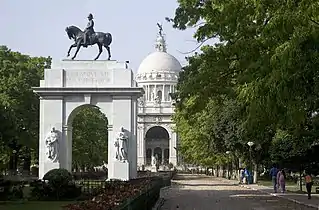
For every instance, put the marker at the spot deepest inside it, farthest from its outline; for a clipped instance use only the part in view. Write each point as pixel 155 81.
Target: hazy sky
pixel 37 27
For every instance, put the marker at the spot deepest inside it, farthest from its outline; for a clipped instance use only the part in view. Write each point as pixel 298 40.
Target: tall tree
pixel 266 61
pixel 19 106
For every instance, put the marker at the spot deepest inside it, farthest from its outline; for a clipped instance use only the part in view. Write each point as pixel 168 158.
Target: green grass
pixel 34 205
pixel 290 186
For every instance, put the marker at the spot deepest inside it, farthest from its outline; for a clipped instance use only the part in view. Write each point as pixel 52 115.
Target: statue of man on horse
pixel 89 30
pixel 89 37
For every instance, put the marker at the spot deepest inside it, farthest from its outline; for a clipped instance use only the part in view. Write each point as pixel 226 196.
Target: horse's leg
pixel 100 51
pixel 77 50
pixel 108 51
pixel 73 45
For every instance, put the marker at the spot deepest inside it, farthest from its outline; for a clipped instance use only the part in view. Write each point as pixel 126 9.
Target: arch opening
pixel 88 139
pixel 157 143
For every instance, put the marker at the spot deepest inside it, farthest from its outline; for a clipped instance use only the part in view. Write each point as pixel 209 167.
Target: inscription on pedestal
pixel 87 78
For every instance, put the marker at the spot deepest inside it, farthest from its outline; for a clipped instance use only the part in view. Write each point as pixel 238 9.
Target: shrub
pixel 11 190
pixel 58 184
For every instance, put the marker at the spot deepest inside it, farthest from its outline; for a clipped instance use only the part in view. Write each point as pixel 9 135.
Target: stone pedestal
pixel 120 171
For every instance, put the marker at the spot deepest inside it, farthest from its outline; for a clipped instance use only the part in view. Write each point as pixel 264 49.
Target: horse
pixel 99 38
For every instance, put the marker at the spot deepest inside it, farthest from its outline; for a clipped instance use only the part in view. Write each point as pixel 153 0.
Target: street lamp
pixel 228 173
pixel 250 144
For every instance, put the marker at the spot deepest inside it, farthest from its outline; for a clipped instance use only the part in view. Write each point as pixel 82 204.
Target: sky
pixel 37 27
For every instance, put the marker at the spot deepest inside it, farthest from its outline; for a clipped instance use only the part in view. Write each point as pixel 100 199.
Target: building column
pixel 163 93
pixel 172 150
pixel 163 156
pixel 67 136
pixel 141 152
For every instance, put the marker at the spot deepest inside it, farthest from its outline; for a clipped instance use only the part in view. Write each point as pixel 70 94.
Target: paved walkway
pixel 199 192
pixel 295 197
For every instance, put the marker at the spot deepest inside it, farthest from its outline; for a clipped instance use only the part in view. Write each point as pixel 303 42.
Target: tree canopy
pixel 19 106
pixel 258 81
pixel 90 138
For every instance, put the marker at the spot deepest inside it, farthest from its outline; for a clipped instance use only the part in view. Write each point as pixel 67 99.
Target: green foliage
pixel 19 106
pixel 257 83
pixel 90 138
pixel 58 177
pixel 60 185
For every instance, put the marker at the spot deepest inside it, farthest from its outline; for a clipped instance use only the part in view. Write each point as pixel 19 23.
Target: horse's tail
pixel 108 39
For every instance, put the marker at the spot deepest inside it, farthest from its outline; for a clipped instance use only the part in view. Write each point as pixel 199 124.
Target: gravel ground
pixel 195 192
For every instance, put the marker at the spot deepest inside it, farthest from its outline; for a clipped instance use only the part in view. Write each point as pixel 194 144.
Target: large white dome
pixel 159 62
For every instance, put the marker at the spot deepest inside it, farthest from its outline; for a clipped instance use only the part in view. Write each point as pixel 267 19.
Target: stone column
pixel 163 156
pixel 141 153
pixel 172 150
pixel 163 93
pixel 110 155
pixel 67 137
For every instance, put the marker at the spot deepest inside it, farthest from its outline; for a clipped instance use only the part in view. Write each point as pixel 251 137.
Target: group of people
pixel 245 176
pixel 279 180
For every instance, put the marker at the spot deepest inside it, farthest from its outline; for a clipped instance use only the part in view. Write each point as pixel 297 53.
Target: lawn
pixel 290 186
pixel 34 205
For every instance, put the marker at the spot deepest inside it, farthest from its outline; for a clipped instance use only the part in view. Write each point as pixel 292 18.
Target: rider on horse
pixel 89 30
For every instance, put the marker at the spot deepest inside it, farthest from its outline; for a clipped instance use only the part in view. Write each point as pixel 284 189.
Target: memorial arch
pixel 70 85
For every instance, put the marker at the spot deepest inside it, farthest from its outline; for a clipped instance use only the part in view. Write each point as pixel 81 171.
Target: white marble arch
pixel 70 85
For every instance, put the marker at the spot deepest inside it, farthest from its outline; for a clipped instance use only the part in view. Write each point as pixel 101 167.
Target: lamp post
pixel 228 174
pixel 250 144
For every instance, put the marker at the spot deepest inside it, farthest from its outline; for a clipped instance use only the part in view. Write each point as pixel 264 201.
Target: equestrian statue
pixel 89 37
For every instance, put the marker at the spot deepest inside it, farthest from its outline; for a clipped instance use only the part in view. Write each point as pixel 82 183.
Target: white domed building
pixel 158 75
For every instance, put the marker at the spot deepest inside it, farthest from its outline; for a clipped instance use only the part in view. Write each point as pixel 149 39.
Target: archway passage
pixel 89 139
pixel 157 143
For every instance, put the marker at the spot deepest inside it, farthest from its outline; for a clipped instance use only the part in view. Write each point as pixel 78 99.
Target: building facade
pixel 158 75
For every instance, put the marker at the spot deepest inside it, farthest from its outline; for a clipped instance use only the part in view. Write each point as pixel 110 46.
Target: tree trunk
pixel 11 165
pixel 300 179
pixel 27 162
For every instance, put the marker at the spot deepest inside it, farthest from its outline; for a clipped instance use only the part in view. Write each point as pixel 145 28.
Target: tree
pixel 90 138
pixel 19 106
pixel 266 62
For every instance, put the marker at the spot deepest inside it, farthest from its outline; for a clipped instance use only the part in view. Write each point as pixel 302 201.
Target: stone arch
pixel 157 140
pixel 152 128
pixel 69 125
pixel 70 85
pixel 77 109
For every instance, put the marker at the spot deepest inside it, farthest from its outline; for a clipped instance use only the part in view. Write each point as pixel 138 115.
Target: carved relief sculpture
pixel 52 145
pixel 121 146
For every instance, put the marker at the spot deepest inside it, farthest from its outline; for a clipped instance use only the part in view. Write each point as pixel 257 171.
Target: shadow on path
pixel 206 193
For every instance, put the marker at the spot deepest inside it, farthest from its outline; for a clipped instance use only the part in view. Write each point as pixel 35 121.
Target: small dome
pixel 159 62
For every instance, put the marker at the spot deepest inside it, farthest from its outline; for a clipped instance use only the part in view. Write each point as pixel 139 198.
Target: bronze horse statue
pixel 99 38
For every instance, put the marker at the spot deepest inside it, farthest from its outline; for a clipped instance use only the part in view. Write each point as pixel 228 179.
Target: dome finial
pixel 160 44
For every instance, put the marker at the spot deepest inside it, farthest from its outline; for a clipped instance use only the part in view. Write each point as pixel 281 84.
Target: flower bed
pixel 120 195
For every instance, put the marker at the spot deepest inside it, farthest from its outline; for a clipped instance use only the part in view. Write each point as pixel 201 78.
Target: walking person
pixel 309 183
pixel 281 180
pixel 242 175
pixel 273 175
pixel 246 174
